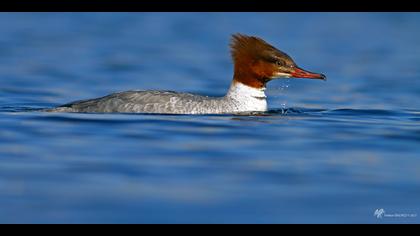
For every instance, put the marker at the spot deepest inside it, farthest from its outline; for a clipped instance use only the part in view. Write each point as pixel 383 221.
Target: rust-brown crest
pixel 246 47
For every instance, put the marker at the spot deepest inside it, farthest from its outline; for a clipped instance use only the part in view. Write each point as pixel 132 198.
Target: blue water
pixel 326 152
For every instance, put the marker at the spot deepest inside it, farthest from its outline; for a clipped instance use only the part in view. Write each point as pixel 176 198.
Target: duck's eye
pixel 280 63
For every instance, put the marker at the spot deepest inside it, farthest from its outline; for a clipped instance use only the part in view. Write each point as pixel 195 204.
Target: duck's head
pixel 256 62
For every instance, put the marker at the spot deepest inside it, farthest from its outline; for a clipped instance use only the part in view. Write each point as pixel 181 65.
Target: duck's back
pixel 138 102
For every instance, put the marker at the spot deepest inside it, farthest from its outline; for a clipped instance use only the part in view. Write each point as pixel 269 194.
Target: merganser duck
pixel 255 63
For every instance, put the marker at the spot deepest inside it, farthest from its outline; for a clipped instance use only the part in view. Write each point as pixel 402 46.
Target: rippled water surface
pixel 331 151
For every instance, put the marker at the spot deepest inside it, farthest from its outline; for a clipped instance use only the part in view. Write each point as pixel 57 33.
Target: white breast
pixel 247 98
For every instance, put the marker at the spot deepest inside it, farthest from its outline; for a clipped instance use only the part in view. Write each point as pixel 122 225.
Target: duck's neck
pixel 248 98
pixel 240 90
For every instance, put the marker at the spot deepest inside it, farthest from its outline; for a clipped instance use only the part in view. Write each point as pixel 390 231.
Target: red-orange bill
pixel 300 73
